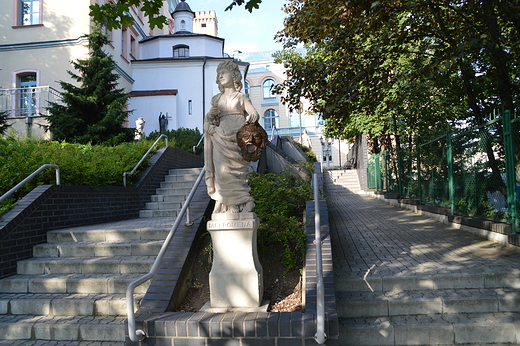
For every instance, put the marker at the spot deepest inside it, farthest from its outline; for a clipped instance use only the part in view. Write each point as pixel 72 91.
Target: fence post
pixel 377 171
pixel 512 200
pixel 400 172
pixel 451 181
pixel 419 175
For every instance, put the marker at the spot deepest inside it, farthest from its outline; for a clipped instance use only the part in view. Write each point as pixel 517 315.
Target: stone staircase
pixel 74 287
pixel 479 309
pixel 461 307
pixel 342 180
pixel 167 202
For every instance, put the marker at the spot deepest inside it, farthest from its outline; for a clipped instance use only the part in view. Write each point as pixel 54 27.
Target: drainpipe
pixel 203 92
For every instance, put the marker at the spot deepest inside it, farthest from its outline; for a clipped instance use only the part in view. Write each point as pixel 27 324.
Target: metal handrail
pixel 31 176
pixel 200 140
pixel 320 336
pixel 144 157
pixel 138 335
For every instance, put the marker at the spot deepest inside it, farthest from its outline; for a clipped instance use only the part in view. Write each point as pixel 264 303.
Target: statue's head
pixel 231 67
pixel 251 139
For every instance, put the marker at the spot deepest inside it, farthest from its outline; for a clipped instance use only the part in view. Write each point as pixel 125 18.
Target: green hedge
pixel 280 202
pixel 80 164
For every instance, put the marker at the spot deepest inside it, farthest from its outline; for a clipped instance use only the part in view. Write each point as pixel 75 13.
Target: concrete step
pixel 87 265
pixel 183 171
pixel 479 308
pixel 457 329
pixel 174 191
pixel 71 283
pixel 177 184
pixel 379 304
pixel 66 304
pixel 163 205
pixel 80 234
pixel 168 198
pixel 98 249
pixel 181 177
pixel 57 328
pixel 498 279
pixel 158 213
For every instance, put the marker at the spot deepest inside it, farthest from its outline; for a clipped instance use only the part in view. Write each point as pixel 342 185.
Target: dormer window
pixel 181 51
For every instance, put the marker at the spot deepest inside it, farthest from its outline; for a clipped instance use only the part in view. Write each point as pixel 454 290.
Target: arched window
pixel 270 119
pixel 181 51
pixel 247 89
pixel 183 25
pixel 267 89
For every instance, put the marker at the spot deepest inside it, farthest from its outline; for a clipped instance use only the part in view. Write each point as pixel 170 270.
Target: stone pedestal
pixel 236 278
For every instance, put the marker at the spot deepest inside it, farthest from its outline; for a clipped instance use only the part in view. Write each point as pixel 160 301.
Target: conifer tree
pixel 4 126
pixel 95 110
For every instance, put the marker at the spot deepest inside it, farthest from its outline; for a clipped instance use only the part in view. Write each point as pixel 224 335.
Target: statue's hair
pixel 230 66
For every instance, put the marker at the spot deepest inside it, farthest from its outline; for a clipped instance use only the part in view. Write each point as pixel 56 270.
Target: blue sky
pixel 244 31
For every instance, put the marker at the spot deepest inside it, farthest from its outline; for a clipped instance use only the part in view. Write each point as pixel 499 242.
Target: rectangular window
pixel 123 42
pixel 133 47
pixel 29 12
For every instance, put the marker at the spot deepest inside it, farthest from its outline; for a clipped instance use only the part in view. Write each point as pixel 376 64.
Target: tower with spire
pixel 175 74
pixel 183 18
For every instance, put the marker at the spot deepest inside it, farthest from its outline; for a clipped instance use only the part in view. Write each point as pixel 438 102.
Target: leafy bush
pixel 184 139
pixel 80 164
pixel 280 201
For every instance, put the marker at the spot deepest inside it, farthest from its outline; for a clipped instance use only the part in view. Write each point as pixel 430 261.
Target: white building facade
pixel 301 124
pixel 39 39
pixel 175 74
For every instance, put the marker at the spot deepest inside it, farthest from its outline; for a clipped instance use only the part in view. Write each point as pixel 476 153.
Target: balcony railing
pixel 28 102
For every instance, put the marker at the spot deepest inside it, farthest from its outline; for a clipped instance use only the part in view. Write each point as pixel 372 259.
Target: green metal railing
pixel 474 172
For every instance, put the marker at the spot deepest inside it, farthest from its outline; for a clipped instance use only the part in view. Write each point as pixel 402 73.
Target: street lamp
pixel 299 109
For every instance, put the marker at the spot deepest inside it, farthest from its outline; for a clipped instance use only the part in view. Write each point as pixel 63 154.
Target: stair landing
pixel 404 279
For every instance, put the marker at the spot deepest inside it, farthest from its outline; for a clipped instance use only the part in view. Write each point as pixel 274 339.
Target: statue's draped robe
pixel 226 170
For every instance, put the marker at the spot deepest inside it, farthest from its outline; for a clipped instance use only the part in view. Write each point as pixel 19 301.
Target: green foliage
pixel 183 138
pixel 400 70
pixel 80 164
pixel 94 111
pixel 280 201
pixel 114 15
pixel 309 165
pixel 4 126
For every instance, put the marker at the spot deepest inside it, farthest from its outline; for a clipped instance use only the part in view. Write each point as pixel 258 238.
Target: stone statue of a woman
pixel 226 169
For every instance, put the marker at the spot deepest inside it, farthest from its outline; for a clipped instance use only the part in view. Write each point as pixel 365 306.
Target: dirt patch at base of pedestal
pixel 282 289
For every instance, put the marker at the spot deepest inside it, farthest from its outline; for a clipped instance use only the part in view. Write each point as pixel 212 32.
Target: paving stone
pixel 442 285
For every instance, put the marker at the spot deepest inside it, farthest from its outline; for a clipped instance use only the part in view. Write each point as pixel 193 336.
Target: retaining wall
pixel 50 207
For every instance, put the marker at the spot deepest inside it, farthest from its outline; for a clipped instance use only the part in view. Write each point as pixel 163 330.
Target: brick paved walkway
pixel 372 239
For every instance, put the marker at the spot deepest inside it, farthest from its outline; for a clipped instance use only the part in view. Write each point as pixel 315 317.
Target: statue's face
pixel 226 79
pixel 251 139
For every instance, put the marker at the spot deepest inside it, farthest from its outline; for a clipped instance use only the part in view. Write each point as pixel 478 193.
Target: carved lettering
pixel 235 224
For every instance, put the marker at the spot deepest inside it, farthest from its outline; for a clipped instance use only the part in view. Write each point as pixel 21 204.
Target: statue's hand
pixel 213 113
pixel 209 128
pixel 252 118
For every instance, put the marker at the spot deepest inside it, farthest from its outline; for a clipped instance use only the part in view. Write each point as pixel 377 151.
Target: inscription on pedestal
pixel 234 224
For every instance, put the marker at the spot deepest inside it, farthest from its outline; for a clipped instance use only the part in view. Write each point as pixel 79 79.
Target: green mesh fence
pixel 474 173
pixel 479 173
pixel 409 183
pixel 433 173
